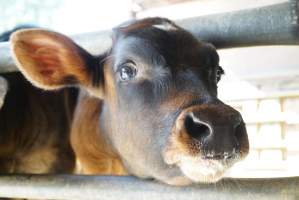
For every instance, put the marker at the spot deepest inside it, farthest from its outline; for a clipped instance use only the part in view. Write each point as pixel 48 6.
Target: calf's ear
pixel 51 60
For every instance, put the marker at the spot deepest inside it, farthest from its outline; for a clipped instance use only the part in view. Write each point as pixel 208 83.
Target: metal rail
pixel 71 187
pixel 276 24
pixel 3 90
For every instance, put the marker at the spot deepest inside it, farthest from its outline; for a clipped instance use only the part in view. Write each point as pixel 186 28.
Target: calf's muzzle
pixel 217 130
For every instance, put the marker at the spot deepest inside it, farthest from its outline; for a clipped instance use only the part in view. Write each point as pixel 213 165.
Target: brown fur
pixel 34 132
pixel 34 129
pixel 94 154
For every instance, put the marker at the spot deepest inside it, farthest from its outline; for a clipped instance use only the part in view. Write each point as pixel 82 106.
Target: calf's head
pixel 158 85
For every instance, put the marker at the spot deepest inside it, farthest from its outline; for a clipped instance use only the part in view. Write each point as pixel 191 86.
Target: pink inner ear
pixel 49 59
pixel 47 65
pixel 46 72
pixel 46 59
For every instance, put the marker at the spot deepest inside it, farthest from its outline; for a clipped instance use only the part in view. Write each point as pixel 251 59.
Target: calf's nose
pixel 218 133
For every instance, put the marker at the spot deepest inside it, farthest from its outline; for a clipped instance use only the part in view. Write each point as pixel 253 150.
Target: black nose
pixel 218 137
pixel 197 129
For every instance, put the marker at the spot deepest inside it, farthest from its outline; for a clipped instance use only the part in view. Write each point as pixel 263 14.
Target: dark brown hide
pixel 34 129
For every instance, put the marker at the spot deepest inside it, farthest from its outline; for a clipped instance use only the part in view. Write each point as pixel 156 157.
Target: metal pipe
pixel 3 90
pixel 6 61
pixel 95 43
pixel 70 187
pixel 276 24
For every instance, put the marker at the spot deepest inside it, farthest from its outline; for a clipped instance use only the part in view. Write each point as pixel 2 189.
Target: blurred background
pixel 261 82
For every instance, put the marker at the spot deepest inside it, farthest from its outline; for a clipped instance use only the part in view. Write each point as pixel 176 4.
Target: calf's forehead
pixel 174 46
pixel 136 49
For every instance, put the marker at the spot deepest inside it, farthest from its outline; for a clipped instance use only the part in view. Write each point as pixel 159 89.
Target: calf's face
pixel 159 87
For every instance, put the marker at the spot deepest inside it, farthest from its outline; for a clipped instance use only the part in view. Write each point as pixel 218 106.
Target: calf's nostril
pixel 195 128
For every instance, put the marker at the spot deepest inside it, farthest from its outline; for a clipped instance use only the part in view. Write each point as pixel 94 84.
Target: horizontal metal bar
pixel 114 188
pixel 95 43
pixel 276 24
pixel 6 62
pixel 3 90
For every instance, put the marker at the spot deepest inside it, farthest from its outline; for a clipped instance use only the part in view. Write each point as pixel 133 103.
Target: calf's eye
pixel 127 72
